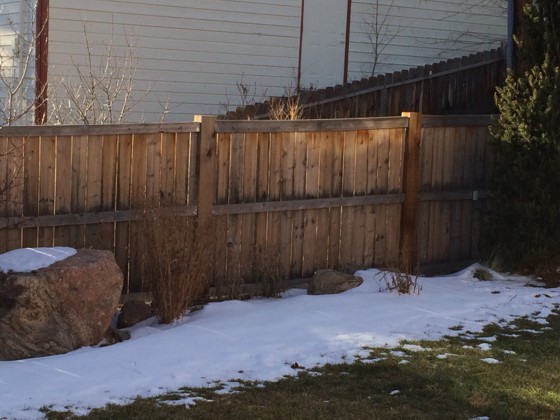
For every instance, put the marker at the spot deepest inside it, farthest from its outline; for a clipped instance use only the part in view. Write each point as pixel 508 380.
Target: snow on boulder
pixel 58 308
pixel 29 259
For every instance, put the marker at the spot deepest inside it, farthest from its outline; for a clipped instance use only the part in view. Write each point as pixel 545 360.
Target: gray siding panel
pixel 190 54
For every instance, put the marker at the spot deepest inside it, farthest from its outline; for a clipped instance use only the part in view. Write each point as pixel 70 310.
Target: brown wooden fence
pixel 464 85
pixel 300 195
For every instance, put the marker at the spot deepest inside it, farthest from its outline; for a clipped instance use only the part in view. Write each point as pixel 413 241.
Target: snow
pixel 29 259
pixel 260 339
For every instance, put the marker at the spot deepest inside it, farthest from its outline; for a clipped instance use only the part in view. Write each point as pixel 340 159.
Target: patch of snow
pixel 258 337
pixel 25 260
pixel 491 361
pixel 445 356
pixel 395 392
pixel 485 346
pixel 414 348
pixel 404 362
pixel 488 339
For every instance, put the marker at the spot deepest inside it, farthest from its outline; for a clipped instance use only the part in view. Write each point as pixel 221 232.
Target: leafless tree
pixel 378 31
pixel 99 88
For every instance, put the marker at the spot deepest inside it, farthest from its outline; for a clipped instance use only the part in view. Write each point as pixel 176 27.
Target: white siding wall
pixel 190 53
pixel 17 57
pixel 419 32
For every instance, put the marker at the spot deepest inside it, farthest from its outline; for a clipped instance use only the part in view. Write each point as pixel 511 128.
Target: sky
pixel 259 339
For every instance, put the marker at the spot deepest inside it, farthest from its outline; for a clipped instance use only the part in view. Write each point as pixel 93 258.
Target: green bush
pixel 525 222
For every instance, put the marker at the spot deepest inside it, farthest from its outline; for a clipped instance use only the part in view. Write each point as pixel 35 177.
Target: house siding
pixel 190 54
pixel 418 32
pixel 16 57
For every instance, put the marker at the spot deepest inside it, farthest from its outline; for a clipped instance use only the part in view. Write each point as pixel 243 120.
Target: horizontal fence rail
pixel 294 195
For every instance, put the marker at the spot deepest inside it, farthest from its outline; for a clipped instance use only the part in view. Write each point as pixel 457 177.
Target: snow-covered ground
pixel 260 339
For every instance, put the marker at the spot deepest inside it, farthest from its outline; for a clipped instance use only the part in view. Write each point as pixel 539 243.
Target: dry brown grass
pixel 286 108
pixel 176 261
pixel 401 278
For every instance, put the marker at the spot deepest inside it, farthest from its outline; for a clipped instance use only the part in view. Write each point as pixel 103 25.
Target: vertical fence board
pixel 298 221
pixel 47 186
pixel 16 193
pixel 182 167
pixel 31 187
pixel 360 189
pixel 167 168
pixel 324 143
pixel 382 186
pixel 394 185
pixel 222 197
pixel 235 221
pixel 370 211
pixel 94 189
pixel 108 190
pixel 275 219
pixel 249 195
pixel 310 242
pixel 336 212
pixel 347 214
pixel 137 202
pixel 122 234
pixel 63 234
pixel 263 256
pixel 435 228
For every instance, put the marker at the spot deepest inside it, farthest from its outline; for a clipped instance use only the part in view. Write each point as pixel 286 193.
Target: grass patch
pixel 439 379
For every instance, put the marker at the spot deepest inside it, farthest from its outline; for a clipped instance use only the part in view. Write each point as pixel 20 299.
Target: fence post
pixel 411 185
pixel 206 185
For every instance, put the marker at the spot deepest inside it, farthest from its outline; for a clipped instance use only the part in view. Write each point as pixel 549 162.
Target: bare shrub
pixel 176 261
pixel 401 279
pixel 271 278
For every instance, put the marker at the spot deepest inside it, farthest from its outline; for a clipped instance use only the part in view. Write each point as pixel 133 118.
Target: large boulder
pixel 326 282
pixel 59 308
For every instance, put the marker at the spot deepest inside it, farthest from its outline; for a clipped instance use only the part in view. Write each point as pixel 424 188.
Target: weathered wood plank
pixel 47 180
pixel 31 187
pixel 310 216
pixel 324 189
pixel 347 216
pixel 99 130
pixel 360 189
pixel 63 203
pixel 289 126
pixel 298 221
pixel 94 188
pixel 122 202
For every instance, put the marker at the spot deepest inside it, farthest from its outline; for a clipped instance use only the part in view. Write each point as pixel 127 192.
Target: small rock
pixel 328 281
pixel 113 336
pixel 133 312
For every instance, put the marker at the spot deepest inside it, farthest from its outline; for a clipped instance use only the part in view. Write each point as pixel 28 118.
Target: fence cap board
pixel 276 126
pixel 431 121
pixel 96 130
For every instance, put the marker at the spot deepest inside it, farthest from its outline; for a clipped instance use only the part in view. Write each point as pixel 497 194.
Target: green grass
pixel 524 385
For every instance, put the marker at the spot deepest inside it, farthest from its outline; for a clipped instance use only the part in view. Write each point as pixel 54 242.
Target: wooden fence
pixel 463 85
pixel 297 196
